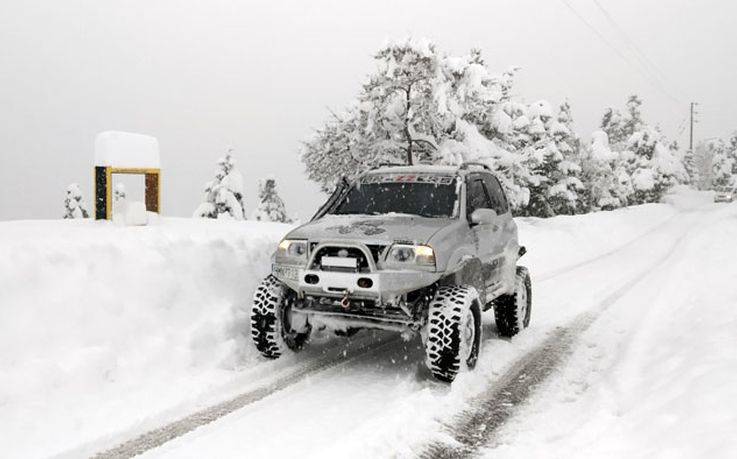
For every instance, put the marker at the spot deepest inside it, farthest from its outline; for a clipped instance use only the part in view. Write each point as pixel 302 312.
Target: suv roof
pixel 426 169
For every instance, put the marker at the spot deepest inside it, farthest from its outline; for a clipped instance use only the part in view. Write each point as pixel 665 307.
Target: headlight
pixel 421 255
pixel 292 249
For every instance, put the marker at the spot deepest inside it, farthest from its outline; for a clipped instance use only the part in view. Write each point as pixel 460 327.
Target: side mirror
pixel 483 217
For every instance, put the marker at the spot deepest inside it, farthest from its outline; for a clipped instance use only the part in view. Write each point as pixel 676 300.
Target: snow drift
pixel 98 320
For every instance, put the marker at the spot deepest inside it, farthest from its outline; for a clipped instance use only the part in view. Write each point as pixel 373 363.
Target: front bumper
pixel 386 285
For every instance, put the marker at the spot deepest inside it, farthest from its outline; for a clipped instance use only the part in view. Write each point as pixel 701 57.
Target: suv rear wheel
pixel 512 311
pixel 271 320
pixel 453 331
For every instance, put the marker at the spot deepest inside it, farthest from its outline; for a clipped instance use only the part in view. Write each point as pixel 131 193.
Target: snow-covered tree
pixel 690 164
pixel 74 205
pixel 618 127
pixel 271 206
pixel 653 166
pixel 606 184
pixel 644 155
pixel 721 163
pixel 564 177
pixel 418 106
pixel 223 196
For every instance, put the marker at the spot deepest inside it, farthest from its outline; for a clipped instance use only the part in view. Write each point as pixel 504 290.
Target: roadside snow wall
pixel 129 316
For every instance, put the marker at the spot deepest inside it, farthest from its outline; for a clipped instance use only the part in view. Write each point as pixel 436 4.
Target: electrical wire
pixel 619 53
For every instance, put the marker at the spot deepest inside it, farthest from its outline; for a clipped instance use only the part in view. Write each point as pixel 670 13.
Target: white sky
pixel 201 75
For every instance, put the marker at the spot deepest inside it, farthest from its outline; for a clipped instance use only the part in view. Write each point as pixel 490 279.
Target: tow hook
pixel 345 302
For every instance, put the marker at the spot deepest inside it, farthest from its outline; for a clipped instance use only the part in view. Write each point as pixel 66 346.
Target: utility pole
pixel 690 134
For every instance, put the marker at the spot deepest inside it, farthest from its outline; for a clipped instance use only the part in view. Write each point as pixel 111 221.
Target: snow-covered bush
pixel 271 206
pixel 606 184
pixel 223 196
pixel 74 205
pixel 722 163
pixel 646 164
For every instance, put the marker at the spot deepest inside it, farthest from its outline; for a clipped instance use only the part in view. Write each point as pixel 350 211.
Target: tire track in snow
pixel 475 427
pixel 156 437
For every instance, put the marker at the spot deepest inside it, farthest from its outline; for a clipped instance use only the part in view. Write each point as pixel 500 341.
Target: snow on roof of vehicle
pixel 126 149
pixel 415 169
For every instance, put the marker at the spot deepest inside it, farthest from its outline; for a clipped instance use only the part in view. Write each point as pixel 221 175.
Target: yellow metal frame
pixel 109 171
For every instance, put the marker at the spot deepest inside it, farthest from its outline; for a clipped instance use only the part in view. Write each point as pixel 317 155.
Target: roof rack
pixel 474 163
pixel 380 165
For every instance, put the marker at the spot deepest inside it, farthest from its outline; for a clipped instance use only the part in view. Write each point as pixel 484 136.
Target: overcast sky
pixel 201 75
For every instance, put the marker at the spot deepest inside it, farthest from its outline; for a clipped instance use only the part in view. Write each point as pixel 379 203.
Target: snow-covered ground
pixel 106 332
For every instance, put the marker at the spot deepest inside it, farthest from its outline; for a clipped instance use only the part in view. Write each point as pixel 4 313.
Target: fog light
pixel 365 282
pixel 312 279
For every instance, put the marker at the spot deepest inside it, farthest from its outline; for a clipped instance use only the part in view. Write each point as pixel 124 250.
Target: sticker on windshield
pixel 435 179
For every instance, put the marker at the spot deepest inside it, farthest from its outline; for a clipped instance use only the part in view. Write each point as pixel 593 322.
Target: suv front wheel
pixel 271 320
pixel 453 331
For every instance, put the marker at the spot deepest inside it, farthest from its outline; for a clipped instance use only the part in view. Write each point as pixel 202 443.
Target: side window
pixel 476 196
pixel 498 199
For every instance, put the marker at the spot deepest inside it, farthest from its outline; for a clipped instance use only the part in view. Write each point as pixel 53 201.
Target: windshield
pixel 426 195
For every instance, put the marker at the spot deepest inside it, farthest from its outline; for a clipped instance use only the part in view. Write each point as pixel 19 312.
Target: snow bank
pixel 125 149
pixel 103 325
pixel 569 239
pixel 653 376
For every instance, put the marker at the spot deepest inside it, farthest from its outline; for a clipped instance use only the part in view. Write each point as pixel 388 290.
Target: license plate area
pixel 339 262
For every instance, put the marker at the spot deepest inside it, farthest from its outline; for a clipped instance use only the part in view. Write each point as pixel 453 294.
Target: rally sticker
pixel 435 179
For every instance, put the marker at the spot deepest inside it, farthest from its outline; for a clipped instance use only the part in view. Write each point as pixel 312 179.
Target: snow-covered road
pixel 631 352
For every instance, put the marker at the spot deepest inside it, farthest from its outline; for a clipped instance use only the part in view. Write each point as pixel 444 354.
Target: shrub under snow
pixel 271 206
pixel 74 205
pixel 223 196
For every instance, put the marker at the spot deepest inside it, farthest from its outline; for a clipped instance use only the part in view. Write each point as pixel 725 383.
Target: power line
pixel 621 55
pixel 644 59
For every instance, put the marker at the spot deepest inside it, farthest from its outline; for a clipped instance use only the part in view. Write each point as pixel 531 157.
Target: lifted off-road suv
pixel 413 249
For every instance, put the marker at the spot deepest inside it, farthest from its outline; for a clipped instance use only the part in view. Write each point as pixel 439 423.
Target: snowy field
pixel 108 332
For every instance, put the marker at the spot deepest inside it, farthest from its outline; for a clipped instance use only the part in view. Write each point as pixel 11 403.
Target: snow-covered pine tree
pixel 690 165
pixel 271 206
pixel 604 188
pixel 74 205
pixel 732 154
pixel 223 196
pixel 564 178
pixel 721 163
pixel 653 166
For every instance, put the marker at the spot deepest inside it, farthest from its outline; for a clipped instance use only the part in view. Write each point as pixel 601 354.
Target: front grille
pixel 335 251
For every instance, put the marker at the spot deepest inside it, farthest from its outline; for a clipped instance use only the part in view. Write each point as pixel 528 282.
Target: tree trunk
pixel 407 135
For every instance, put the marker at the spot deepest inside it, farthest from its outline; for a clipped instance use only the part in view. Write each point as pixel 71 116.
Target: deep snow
pixel 108 331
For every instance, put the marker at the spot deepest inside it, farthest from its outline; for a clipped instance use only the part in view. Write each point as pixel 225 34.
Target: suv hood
pixel 371 228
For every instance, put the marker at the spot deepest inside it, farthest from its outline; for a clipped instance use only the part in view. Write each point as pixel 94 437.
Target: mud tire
pixel 511 316
pixel 449 312
pixel 270 325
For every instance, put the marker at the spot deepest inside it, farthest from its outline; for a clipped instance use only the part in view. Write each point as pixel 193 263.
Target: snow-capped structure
pixel 125 153
pixel 126 150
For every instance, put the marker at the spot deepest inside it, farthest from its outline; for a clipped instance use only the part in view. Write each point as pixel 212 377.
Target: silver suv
pixel 411 249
